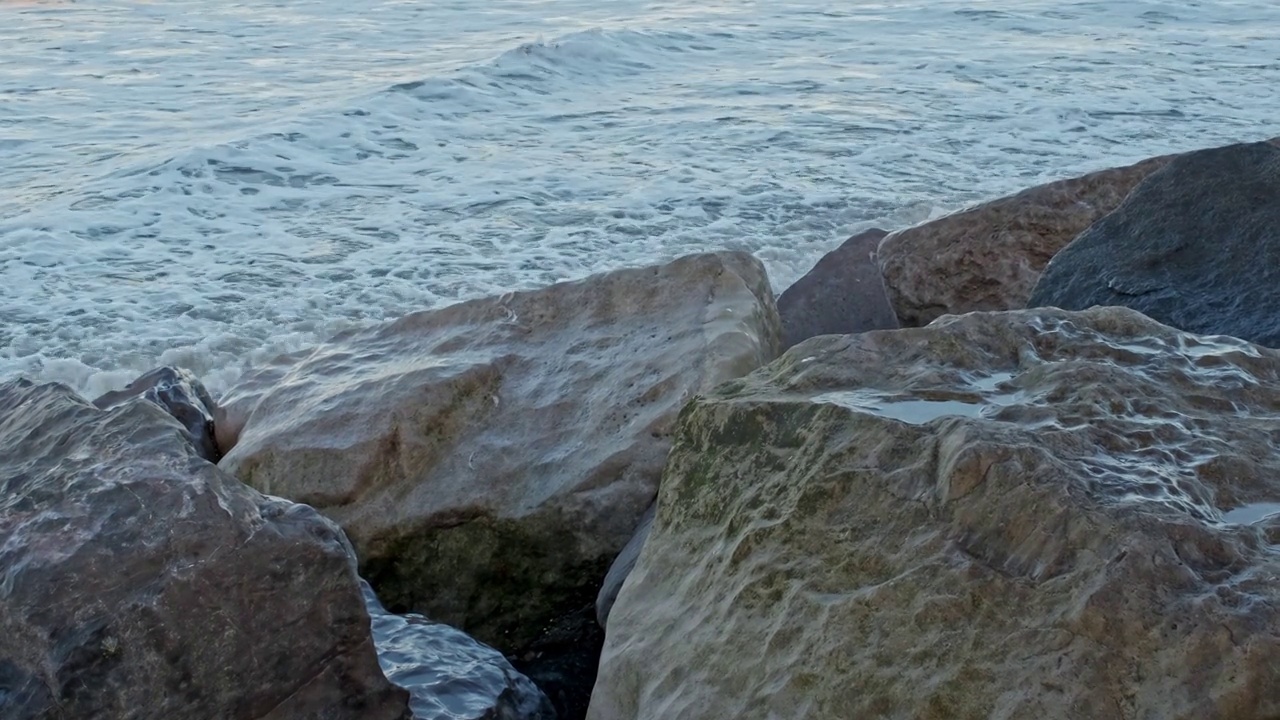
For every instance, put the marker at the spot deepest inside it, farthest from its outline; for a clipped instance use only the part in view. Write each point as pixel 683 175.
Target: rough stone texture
pixel 621 568
pixel 988 257
pixel 450 675
pixel 1070 520
pixel 182 396
pixel 139 581
pixel 1196 245
pixel 843 293
pixel 489 459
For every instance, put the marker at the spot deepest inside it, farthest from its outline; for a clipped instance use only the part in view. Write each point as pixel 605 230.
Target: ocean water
pixel 206 183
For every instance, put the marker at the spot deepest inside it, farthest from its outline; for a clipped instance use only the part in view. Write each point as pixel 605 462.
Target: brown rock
pixel 490 458
pixel 139 581
pixel 1032 514
pixel 989 257
pixel 843 293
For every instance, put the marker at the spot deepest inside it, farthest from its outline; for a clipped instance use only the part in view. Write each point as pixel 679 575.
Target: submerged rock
pixel 1032 514
pixel 450 675
pixel 489 459
pixel 843 293
pixel 139 581
pixel 988 257
pixel 182 396
pixel 1197 246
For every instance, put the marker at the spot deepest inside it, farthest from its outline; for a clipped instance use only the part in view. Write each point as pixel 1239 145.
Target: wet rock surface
pixel 1197 246
pixel 450 675
pixel 989 257
pixel 843 293
pixel 490 459
pixel 139 581
pixel 183 396
pixel 1003 515
pixel 622 566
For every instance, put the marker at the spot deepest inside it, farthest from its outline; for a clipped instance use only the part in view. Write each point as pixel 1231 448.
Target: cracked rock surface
pixel 1028 514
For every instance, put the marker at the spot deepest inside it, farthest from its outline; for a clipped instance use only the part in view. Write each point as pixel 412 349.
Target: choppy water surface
pixel 202 182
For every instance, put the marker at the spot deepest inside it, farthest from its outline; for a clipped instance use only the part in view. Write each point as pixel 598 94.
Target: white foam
pixel 213 183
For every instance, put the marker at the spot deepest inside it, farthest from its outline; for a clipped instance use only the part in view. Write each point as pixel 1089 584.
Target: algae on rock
pixel 1000 515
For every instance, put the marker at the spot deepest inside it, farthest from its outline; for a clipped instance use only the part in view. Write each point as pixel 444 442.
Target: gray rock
pixel 182 396
pixel 621 568
pixel 843 293
pixel 1028 514
pixel 489 459
pixel 1196 246
pixel 449 674
pixel 139 581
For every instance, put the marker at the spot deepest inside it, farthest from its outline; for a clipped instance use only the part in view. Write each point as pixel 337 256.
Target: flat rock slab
pixel 989 257
pixel 1030 514
pixel 490 458
pixel 139 581
pixel 1196 245
pixel 843 293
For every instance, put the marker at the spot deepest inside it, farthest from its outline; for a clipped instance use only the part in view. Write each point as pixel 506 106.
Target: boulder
pixel 988 257
pixel 1196 246
pixel 844 293
pixel 1028 514
pixel 621 568
pixel 182 396
pixel 139 581
pixel 449 675
pixel 489 459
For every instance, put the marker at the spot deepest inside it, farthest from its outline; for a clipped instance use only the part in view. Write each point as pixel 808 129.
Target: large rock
pixel 449 675
pixel 183 396
pixel 1033 514
pixel 139 581
pixel 988 257
pixel 842 294
pixel 1197 246
pixel 490 458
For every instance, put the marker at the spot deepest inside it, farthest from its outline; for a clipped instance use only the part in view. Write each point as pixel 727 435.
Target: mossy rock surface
pixel 1032 514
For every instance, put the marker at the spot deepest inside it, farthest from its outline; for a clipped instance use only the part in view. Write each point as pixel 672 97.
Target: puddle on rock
pixel 915 412
pixel 1251 513
pixel 918 411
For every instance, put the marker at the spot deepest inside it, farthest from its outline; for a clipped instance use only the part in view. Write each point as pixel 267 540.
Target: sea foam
pixel 209 185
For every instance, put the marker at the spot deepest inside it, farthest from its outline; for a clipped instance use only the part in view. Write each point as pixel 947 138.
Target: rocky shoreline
pixel 1017 461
